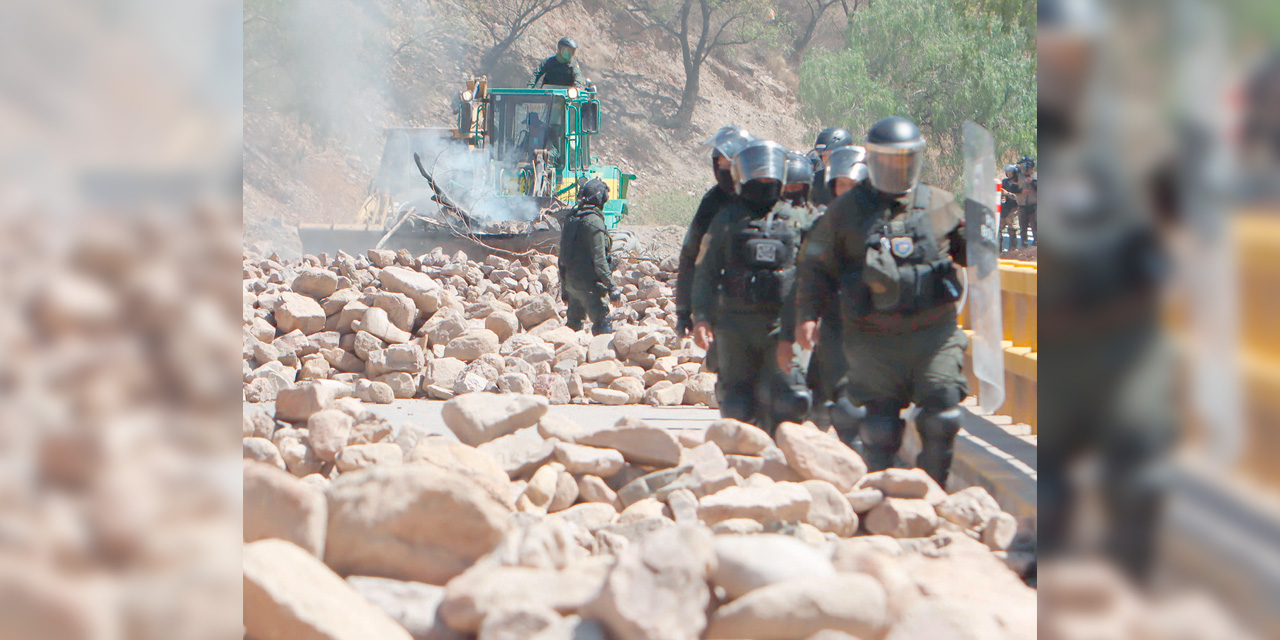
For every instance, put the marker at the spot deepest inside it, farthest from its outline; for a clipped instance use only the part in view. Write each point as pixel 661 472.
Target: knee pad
pixel 882 431
pixel 939 425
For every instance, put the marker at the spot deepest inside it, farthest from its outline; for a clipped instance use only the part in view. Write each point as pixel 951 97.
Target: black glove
pixel 684 323
pixel 615 294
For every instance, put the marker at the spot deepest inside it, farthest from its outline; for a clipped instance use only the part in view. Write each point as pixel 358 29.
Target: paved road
pixel 425 414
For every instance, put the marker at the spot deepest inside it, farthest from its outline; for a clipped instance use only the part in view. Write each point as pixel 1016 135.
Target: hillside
pixel 368 78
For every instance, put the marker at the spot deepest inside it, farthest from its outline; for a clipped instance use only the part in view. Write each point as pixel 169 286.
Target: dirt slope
pixel 290 177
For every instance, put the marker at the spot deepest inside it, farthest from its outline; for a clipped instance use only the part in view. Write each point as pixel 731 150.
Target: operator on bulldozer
pixel 560 69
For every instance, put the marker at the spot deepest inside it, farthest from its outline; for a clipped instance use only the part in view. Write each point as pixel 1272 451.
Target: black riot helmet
pixel 833 138
pixel 758 170
pixel 1027 163
pixel 1010 170
pixel 594 192
pixel 895 155
pixel 846 162
pixel 799 171
pixel 568 43
pixel 728 141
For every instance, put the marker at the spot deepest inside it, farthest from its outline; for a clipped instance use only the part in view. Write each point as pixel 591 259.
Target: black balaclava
pixel 799 196
pixel 761 195
pixel 724 178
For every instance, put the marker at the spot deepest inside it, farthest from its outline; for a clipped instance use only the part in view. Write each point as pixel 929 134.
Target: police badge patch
pixel 766 253
pixel 903 246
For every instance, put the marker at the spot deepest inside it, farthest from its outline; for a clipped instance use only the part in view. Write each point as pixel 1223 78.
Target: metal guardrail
pixel 1018 306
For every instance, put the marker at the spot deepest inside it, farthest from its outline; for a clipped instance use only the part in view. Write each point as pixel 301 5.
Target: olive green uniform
pixel 741 300
pixel 891 263
pixel 554 72
pixel 586 274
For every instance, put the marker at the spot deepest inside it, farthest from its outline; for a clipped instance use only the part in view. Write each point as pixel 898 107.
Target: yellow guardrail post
pixel 1019 317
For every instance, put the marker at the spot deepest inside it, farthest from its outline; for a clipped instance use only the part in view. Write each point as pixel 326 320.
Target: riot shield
pixel 983 240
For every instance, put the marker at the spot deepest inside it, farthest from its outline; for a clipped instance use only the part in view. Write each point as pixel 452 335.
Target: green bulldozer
pixel 499 183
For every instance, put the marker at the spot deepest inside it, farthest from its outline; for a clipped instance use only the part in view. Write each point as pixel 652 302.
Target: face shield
pixel 728 141
pixel 564 53
pixel 760 160
pixel 895 168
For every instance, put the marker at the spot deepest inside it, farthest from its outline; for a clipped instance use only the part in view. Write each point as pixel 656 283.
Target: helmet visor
pixel 728 141
pixel 767 160
pixel 895 168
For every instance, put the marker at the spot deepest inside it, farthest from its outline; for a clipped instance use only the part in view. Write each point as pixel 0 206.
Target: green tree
pixel 937 63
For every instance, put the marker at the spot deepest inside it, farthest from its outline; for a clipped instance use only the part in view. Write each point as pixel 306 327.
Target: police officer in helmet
pixel 828 141
pixel 846 168
pixel 586 271
pixel 560 69
pixel 724 145
pixel 744 272
pixel 889 251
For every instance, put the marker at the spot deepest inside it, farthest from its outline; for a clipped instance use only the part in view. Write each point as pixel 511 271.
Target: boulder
pixel 947 620
pixel 633 387
pixel 519 453
pixel 664 394
pixel 971 508
pixel 296 312
pixel 264 451
pixel 913 484
pixel 1000 531
pixel 591 516
pixel 817 455
pixel 609 396
pixel 375 392
pixel 580 459
pixel 638 444
pixel 480 417
pixel 658 588
pixel 902 518
pixel 517 623
pixel 779 502
pixel 297 404
pixel 734 437
pixel 328 431
pixel 602 372
pixel 363 456
pixel 829 510
pixel 538 310
pixel 472 344
pixel 291 595
pixel 420 288
pixel 414 605
pixel 864 500
pixel 853 603
pixel 279 505
pixel 489 587
pixel 594 489
pixel 747 562
pixel 411 522
pixel 377 323
pixel 316 283
pixel 503 324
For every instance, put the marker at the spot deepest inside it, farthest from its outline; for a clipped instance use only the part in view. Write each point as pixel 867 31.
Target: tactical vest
pixel 905 270
pixel 761 263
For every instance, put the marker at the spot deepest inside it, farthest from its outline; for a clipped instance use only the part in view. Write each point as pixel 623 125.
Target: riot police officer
pixel 1009 190
pixel 845 170
pixel 724 145
pixel 828 141
pixel 889 250
pixel 586 273
pixel 560 69
pixel 744 271
pixel 1028 198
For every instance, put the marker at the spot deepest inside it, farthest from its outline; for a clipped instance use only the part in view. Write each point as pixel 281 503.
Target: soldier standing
pixel 725 144
pixel 889 249
pixel 744 271
pixel 828 141
pixel 586 275
pixel 559 70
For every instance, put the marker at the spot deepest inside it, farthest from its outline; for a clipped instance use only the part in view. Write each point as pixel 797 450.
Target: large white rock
pixel 639 443
pixel 296 312
pixel 488 587
pixel 830 511
pixel 520 452
pixel 414 605
pixel 421 288
pixel 748 562
pixel 779 502
pixel 291 595
pixel 971 508
pixel 279 505
pixel 658 588
pixel 480 417
pixel 902 518
pixel 580 459
pixel 817 455
pixel 411 522
pixel 796 608
pixel 472 344
pixel 734 437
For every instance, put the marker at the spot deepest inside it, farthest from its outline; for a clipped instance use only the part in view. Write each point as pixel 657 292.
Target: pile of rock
pixel 519 524
pixel 389 325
